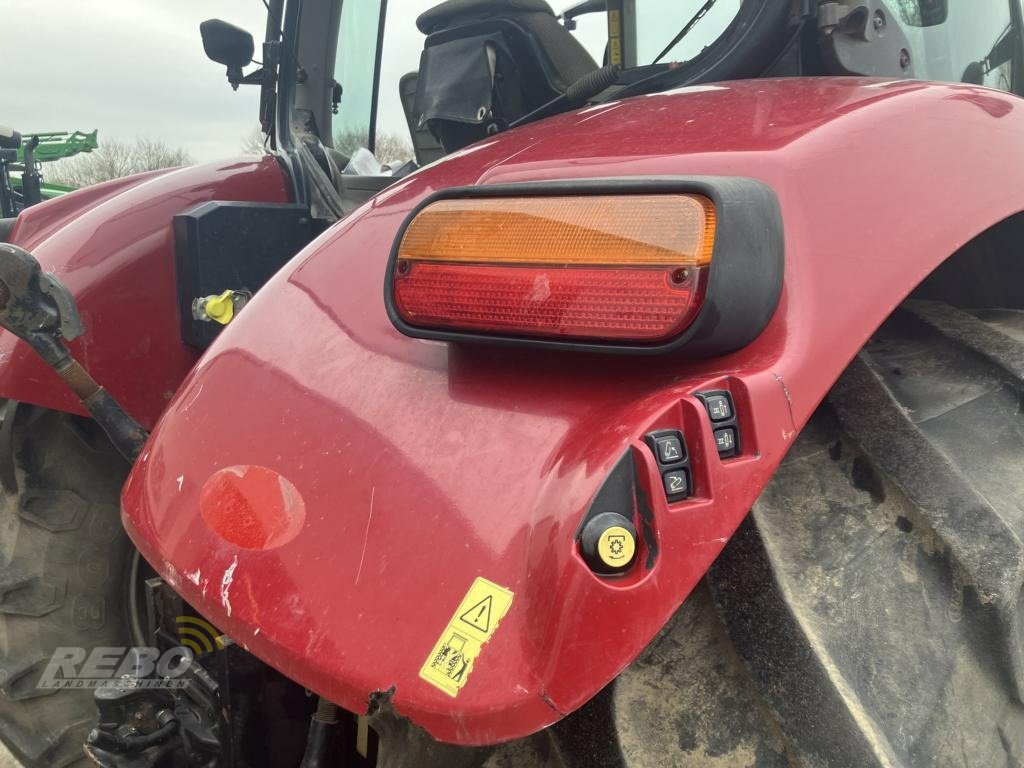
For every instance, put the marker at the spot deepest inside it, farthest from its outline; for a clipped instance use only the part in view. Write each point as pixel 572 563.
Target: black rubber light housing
pixel 689 265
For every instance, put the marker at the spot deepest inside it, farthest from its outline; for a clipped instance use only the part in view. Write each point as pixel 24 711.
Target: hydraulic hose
pixel 124 432
pixel 39 310
pixel 130 744
pixel 321 731
pixel 576 94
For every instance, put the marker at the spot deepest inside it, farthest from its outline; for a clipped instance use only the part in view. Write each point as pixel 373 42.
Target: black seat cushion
pixel 442 15
pixel 567 59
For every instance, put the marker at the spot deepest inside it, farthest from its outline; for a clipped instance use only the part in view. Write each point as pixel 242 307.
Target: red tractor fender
pixel 112 246
pixel 418 467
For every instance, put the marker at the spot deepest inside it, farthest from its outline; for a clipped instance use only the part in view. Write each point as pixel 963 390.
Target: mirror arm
pixel 256 77
pixel 581 8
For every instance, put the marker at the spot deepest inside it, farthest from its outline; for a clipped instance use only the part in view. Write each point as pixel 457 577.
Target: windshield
pixel 951 40
pixel 964 47
pixel 659 21
pixel 354 74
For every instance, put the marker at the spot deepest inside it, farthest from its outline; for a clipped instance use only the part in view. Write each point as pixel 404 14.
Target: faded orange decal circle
pixel 252 507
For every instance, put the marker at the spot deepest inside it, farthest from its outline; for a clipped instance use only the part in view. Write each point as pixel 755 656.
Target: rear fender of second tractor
pixel 387 518
pixel 113 246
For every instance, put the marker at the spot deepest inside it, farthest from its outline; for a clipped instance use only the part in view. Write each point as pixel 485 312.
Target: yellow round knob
pixel 616 546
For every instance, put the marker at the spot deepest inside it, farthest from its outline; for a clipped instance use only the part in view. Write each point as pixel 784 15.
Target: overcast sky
pixel 137 68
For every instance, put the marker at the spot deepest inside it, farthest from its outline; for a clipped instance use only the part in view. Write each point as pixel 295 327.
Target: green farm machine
pixel 21 157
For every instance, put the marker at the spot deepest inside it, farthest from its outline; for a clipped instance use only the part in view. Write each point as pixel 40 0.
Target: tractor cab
pixel 337 77
pixel 486 66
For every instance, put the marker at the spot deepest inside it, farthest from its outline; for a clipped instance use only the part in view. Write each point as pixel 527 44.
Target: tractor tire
pixel 64 566
pixel 875 593
pixel 868 612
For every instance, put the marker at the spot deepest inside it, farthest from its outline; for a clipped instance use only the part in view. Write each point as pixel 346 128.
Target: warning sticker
pixel 473 624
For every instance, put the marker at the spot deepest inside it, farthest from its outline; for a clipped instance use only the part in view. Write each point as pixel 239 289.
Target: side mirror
pixel 580 8
pixel 934 12
pixel 974 74
pixel 228 45
pixel 9 138
pixel 924 13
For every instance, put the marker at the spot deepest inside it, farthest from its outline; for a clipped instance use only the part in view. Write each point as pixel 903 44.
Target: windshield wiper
pixel 685 30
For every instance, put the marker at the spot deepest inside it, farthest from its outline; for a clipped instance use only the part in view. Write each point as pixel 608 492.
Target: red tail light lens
pixel 615 267
pixel 637 304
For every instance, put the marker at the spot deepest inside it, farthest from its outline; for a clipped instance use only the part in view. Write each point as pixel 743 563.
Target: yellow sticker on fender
pixel 473 624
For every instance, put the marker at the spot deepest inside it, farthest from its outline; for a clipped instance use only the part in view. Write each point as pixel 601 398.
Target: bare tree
pixel 390 148
pixel 114 159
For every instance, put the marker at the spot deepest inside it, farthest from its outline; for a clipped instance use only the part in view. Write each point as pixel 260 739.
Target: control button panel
pixel 722 413
pixel 669 448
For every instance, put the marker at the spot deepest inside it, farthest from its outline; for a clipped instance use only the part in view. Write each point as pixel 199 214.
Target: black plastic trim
pixel 621 494
pixel 374 98
pixel 228 245
pixel 284 138
pixel 617 493
pixel 745 279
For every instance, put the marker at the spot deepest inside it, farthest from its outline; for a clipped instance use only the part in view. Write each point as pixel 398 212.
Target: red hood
pixel 112 246
pixel 37 223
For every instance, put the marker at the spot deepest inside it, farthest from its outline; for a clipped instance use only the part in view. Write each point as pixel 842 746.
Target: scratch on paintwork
pixel 172 577
pixel 720 540
pixel 255 617
pixel 547 700
pixel 181 480
pixel 192 400
pixel 787 435
pixel 366 535
pixel 606 108
pixel 194 576
pixel 225 585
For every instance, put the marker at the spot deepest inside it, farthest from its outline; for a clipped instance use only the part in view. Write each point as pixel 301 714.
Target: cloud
pixel 137 68
pixel 128 67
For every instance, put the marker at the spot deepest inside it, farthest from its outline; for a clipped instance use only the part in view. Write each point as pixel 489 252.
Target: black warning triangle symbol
pixel 479 616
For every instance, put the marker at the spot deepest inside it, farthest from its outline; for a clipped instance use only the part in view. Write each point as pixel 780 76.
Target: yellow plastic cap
pixel 221 308
pixel 616 546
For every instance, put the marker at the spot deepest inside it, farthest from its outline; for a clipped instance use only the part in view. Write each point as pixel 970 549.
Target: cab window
pixel 971 41
pixel 659 21
pixel 354 72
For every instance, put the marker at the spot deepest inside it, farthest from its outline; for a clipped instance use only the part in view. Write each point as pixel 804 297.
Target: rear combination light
pixel 622 266
pixel 600 267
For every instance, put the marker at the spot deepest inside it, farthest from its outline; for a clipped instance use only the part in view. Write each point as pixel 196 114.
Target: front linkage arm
pixel 39 310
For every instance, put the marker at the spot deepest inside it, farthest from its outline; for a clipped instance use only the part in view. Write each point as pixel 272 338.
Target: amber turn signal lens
pixel 594 267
